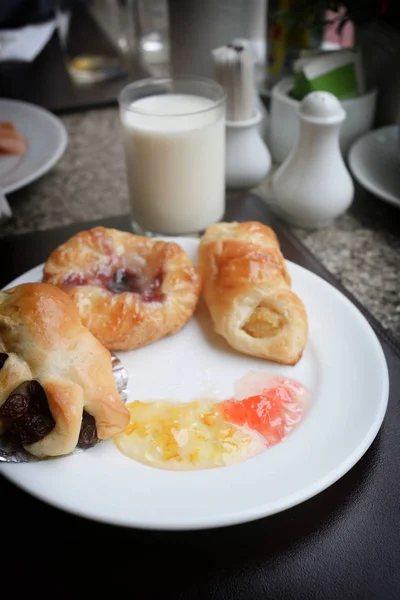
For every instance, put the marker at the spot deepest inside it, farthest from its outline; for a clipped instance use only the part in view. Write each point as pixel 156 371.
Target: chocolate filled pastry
pixel 129 290
pixel 57 389
pixel 247 290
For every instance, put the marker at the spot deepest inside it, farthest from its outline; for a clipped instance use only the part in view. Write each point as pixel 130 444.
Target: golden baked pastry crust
pixel 127 320
pixel 44 338
pixel 246 286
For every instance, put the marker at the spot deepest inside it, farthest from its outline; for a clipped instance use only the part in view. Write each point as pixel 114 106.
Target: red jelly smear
pixel 273 413
pixel 75 280
pixel 122 281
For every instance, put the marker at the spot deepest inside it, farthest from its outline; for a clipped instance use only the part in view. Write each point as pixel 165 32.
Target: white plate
pixel 375 162
pixel 47 139
pixel 344 367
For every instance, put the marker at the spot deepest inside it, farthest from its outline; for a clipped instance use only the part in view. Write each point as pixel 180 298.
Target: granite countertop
pixel 362 249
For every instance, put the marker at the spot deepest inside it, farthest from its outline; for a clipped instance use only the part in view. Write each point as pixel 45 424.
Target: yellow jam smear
pixel 185 436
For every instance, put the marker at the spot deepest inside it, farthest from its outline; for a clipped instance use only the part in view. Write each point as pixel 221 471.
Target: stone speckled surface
pixel 362 248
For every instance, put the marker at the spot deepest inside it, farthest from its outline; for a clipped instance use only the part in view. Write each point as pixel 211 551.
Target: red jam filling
pixel 75 280
pixel 274 413
pixel 122 281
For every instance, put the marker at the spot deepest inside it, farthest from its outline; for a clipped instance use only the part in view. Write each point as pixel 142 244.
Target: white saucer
pixel 374 160
pixel 47 139
pixel 343 366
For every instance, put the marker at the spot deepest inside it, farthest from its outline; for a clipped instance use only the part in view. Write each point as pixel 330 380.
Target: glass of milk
pixel 174 136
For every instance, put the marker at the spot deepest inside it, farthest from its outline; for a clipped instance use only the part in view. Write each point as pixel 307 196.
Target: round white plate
pixel 344 367
pixel 47 139
pixel 374 161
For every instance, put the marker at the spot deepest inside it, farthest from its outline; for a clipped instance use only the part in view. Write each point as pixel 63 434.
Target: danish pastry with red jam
pixel 129 290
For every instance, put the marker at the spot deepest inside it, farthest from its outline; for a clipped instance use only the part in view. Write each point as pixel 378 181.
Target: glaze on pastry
pixel 247 290
pixel 56 379
pixel 129 290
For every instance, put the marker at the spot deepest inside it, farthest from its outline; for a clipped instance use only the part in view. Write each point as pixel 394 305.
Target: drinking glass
pixel 98 37
pixel 174 137
pixel 153 36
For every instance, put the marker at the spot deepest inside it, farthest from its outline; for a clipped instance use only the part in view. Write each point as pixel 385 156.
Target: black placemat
pixel 342 544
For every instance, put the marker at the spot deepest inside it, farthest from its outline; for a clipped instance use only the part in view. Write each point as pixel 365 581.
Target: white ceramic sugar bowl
pixel 313 186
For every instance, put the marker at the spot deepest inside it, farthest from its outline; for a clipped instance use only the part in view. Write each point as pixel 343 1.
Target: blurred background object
pixel 373 28
pixel 379 41
pixel 198 27
pixel 25 29
pixel 293 25
pixel 374 161
pixel 153 35
pixel 159 36
pixel 17 13
pixel 91 41
pixel 283 128
pixel 97 37
pixel 349 48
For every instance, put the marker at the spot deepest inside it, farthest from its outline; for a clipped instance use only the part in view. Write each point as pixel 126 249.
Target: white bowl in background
pixel 283 128
pixel 374 162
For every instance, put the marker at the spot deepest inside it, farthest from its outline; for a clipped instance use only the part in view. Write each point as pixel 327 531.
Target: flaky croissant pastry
pixel 55 377
pixel 247 290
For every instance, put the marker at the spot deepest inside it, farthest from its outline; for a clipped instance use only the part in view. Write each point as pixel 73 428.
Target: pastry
pixel 129 290
pixel 57 388
pixel 247 291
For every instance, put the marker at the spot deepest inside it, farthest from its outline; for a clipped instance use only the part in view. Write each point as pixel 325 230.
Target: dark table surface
pixel 342 544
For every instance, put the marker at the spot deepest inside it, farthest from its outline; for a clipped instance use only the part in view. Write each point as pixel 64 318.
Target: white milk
pixel 175 161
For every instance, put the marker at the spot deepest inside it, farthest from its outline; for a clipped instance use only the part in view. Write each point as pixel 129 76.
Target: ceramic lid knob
pixel 321 107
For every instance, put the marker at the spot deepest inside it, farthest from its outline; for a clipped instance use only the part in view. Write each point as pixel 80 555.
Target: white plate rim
pixel 367 184
pixel 49 164
pixel 269 508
